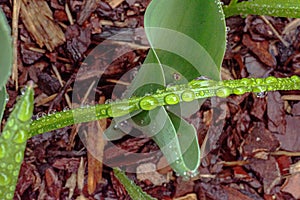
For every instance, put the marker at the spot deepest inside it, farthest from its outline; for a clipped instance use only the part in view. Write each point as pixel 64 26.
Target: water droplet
pixel 148 103
pixel 20 137
pixel 227 29
pixel 6 134
pixel 15 173
pixel 10 167
pixel 116 127
pixel 103 111
pixel 23 90
pixel 4 180
pixel 295 78
pixel 9 196
pixel 172 99
pixel 40 115
pixel 51 112
pixel 223 92
pixel 12 188
pixel 188 96
pixel 7 99
pixel 10 122
pixel 84 105
pixel 108 101
pixel 2 150
pixel 19 157
pixel 271 79
pixel 41 130
pixel 261 94
pixel 176 76
pixel 66 109
pixel 57 115
pixel 259 89
pixel 3 165
pixel 240 90
pixel 159 91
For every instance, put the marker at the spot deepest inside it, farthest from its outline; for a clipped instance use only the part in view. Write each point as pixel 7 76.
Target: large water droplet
pixel 239 90
pixel 148 103
pixel 188 96
pixel 172 99
pixel 223 92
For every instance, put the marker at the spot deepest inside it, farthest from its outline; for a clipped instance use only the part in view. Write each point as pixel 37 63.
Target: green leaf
pixel 178 142
pixel 13 143
pixel 134 191
pixel 277 8
pixel 184 44
pixel 3 97
pixel 189 36
pixel 6 53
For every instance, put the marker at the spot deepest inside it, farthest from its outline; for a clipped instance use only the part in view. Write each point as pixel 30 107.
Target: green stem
pixel 196 89
pixel 278 8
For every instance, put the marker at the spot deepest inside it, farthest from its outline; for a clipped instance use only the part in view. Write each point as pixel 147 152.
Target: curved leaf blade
pixel 7 52
pixel 3 97
pixel 181 35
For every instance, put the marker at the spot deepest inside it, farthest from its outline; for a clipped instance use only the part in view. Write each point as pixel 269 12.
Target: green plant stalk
pixel 13 143
pixel 278 8
pixel 134 191
pixel 172 95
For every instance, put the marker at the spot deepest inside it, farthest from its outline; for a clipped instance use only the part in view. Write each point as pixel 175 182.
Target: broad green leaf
pixel 3 97
pixel 6 53
pixel 184 44
pixel 189 36
pixel 277 8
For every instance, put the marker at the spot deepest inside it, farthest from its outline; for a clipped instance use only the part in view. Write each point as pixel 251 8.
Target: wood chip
pixel 114 3
pixel 89 7
pixel 41 25
pixel 291 186
pixel 192 196
pixel 96 142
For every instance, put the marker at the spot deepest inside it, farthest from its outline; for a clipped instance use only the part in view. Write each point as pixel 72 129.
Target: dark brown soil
pixel 254 147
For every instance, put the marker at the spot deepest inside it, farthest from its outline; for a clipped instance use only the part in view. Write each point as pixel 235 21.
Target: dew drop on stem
pixel 261 94
pixel 51 111
pixel 66 109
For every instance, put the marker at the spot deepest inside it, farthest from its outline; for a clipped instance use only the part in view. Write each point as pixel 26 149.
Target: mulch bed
pixel 254 147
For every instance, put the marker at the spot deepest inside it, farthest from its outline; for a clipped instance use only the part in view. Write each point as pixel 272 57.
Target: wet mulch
pixel 254 147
